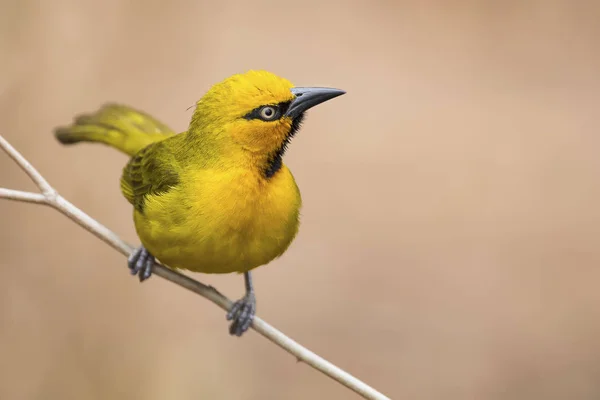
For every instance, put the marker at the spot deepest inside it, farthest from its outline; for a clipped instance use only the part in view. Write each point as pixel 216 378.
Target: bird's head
pixel 256 113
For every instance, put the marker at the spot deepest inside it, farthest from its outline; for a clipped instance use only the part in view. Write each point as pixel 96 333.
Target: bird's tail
pixel 122 127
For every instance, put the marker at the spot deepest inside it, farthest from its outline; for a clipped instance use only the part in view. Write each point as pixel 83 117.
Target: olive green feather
pixel 150 171
pixel 119 126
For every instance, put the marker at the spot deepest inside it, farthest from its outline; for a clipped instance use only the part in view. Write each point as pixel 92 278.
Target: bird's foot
pixel 140 263
pixel 241 314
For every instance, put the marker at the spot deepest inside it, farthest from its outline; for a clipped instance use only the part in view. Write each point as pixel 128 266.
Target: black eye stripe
pixel 279 109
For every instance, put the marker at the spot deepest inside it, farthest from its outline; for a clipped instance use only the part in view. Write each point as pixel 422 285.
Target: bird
pixel 216 198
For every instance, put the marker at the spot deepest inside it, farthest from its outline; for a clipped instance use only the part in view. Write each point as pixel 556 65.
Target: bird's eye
pixel 268 113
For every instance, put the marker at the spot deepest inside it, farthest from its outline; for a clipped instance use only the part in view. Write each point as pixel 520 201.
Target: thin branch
pixel 50 197
pixel 26 197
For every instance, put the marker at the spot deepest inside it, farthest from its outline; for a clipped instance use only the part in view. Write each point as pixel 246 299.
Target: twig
pixel 51 198
pixel 26 197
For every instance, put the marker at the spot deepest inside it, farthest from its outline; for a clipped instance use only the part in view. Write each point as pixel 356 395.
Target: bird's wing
pixel 150 171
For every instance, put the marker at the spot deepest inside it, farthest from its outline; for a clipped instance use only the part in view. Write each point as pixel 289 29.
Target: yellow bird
pixel 216 198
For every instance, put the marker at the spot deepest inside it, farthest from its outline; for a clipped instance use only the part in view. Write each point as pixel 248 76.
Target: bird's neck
pixel 215 155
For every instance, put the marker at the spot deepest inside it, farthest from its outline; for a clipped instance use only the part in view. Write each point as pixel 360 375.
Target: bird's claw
pixel 242 313
pixel 140 263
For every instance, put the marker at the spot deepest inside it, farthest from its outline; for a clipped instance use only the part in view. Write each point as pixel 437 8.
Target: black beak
pixel 307 97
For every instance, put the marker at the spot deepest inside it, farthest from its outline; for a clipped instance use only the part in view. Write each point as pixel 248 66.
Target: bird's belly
pixel 236 228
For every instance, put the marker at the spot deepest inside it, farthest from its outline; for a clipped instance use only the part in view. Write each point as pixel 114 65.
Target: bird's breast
pixel 222 221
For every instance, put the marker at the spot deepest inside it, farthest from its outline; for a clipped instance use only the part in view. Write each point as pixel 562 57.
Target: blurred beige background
pixel 449 247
